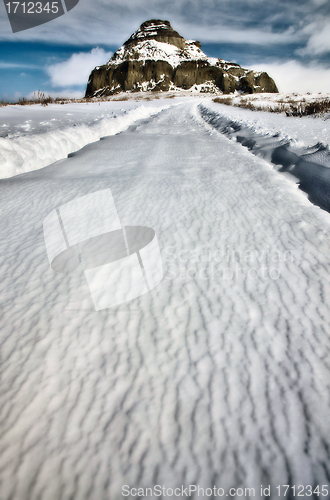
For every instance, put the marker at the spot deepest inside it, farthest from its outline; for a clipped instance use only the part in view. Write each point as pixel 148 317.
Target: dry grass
pixel 39 98
pixel 224 100
pixel 123 98
pixel 287 105
pixel 310 108
pixel 44 100
pixel 290 107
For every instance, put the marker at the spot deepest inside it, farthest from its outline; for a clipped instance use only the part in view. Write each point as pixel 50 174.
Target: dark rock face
pixel 158 30
pixel 255 83
pixel 157 58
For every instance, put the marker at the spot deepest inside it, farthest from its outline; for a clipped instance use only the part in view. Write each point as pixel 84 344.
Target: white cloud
pixel 320 2
pixel 293 76
pixel 12 97
pixel 319 38
pixel 218 34
pixel 76 70
pixel 113 22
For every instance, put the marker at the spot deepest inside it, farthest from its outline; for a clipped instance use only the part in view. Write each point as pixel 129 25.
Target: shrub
pixel 224 100
pixel 290 107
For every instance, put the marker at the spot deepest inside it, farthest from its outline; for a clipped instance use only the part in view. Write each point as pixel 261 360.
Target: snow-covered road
pixel 220 376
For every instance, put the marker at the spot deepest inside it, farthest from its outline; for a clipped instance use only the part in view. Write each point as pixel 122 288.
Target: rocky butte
pixel 157 58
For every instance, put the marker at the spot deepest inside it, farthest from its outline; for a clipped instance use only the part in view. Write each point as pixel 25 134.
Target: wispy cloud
pixel 111 23
pixel 263 37
pixel 76 70
pixel 291 31
pixel 7 65
pixel 318 34
pixel 12 96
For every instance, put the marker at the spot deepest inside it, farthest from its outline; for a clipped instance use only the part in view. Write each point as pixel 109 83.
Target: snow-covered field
pixel 300 132
pixel 32 137
pixel 298 146
pixel 277 102
pixel 220 375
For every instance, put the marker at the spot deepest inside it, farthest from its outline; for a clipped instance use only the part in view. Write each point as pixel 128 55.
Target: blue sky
pixel 289 39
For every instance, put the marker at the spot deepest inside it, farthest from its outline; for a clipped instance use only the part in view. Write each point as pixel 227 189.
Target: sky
pixel 290 39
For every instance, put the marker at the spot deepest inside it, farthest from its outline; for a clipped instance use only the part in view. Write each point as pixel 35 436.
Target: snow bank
pixel 287 143
pixel 300 132
pixel 24 153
